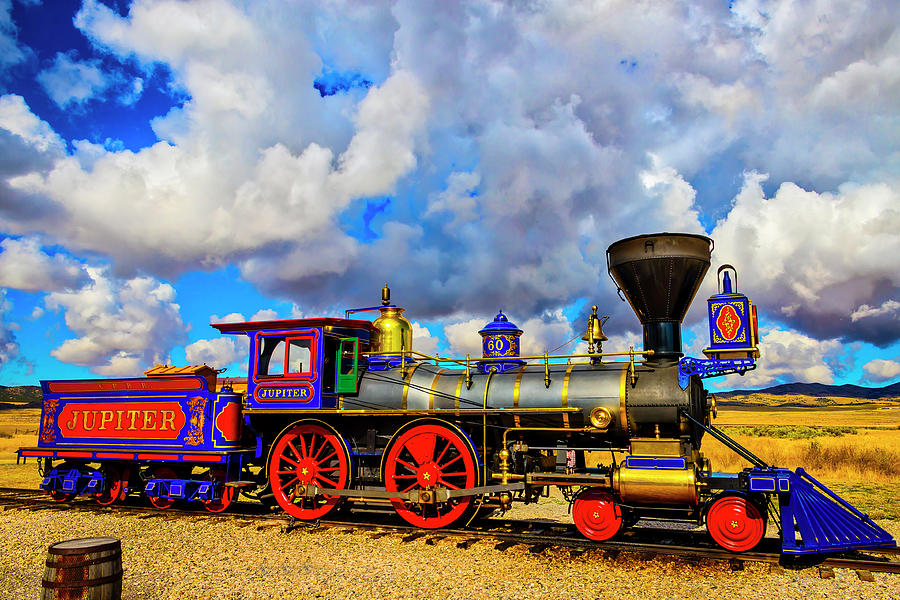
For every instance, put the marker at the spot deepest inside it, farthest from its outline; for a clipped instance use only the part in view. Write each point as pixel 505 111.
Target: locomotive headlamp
pixel 601 417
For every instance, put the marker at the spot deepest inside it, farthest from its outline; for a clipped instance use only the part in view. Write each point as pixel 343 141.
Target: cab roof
pixel 293 324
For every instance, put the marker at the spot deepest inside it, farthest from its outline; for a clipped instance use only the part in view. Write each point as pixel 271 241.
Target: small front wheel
pixel 597 515
pixel 735 523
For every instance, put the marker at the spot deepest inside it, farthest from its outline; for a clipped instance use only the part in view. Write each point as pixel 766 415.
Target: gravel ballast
pixel 239 559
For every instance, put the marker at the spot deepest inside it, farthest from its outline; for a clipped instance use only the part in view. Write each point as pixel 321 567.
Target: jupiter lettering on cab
pixel 297 393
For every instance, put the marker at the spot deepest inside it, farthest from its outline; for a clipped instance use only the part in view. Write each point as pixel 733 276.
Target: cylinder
pixel 656 486
pixel 84 569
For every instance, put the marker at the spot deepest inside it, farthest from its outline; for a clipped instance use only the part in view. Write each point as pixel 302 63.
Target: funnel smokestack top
pixel 660 275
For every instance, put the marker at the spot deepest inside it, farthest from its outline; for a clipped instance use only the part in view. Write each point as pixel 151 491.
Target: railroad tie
pixel 826 572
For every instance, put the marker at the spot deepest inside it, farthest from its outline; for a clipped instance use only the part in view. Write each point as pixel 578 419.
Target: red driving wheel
pixel 227 496
pixel 308 454
pixel 157 501
pixel 114 486
pixel 425 457
pixel 735 523
pixel 596 515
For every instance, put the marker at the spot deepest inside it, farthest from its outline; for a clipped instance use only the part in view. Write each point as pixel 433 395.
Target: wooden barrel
pixel 83 569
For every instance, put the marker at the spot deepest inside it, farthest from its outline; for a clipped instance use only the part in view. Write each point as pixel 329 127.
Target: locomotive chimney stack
pixel 660 275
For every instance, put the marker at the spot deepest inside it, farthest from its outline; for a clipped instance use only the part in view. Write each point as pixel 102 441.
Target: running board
pixel 428 496
pixel 825 521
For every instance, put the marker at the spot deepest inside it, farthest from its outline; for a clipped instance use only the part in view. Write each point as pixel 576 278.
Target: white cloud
pixel 71 82
pixel 890 307
pixel 10 51
pixel 574 124
pixel 423 341
pixel 17 119
pixel 787 355
pixel 124 326
pixel 24 266
pixel 816 259
pixel 229 318
pixel 9 347
pixel 463 338
pixel 217 352
pixel 880 370
pixel 266 314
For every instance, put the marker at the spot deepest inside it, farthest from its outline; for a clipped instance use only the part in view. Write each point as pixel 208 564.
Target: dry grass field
pixel 854 449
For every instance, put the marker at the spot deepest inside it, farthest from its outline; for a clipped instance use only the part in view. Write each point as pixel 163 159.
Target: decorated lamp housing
pixel 733 330
pixel 500 343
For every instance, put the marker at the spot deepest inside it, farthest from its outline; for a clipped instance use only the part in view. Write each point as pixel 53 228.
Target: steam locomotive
pixel 344 411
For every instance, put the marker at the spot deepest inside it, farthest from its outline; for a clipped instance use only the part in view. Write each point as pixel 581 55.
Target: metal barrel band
pixel 83 583
pixel 84 563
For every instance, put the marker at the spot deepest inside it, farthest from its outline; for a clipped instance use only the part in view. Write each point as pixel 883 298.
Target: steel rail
pixel 506 532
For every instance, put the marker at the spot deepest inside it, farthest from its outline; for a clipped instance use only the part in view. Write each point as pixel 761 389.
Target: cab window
pixel 281 356
pixel 299 358
pixel 271 357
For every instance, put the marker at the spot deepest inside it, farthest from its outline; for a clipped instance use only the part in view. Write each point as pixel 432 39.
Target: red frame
pixel 286 337
pixel 312 356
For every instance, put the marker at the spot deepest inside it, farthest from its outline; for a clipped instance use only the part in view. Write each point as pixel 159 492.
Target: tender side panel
pixel 139 414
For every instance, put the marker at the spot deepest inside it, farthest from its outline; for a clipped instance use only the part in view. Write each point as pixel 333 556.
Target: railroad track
pixel 537 535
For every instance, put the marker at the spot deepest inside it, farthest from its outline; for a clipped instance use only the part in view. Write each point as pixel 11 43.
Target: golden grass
pixel 863 467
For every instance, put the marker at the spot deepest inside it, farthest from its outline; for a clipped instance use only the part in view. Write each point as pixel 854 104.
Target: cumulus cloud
pixel 25 266
pixel 72 82
pixel 423 341
pixel 515 142
pixel 218 352
pixel 881 370
pixel 788 355
pixel 819 261
pixel 124 326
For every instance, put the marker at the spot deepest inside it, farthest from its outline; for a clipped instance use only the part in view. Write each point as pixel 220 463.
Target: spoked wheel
pixel 227 496
pixel 735 523
pixel 597 515
pixel 308 454
pixel 425 457
pixel 114 488
pixel 157 501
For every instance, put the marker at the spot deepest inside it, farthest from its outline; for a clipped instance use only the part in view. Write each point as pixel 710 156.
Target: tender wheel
pixel 60 496
pixel 222 504
pixel 115 486
pixel 308 454
pixel 156 501
pixel 735 523
pixel 597 515
pixel 425 457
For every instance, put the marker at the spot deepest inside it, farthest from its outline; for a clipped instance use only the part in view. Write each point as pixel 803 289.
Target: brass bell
pixel 594 333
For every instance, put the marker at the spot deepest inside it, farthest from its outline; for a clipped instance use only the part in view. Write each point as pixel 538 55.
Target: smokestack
pixel 660 274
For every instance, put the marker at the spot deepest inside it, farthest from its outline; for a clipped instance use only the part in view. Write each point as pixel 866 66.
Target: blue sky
pixel 165 164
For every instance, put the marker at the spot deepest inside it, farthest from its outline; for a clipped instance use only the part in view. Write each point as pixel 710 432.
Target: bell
pixel 594 333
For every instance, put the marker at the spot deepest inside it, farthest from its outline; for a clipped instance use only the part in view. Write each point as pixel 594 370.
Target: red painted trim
pixel 126 385
pixel 115 455
pixel 157 456
pixel 32 453
pixel 293 324
pixel 75 454
pixel 203 458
